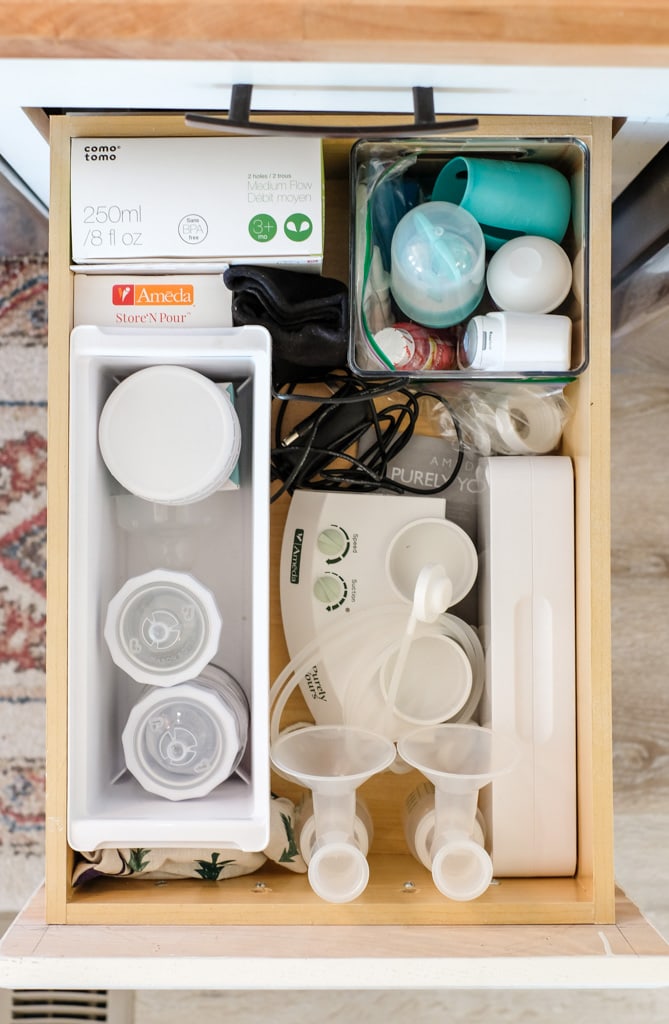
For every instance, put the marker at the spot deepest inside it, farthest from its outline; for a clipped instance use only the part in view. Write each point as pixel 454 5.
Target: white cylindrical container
pixel 163 627
pixel 517 342
pixel 169 434
pixel 183 742
pixel 418 822
pixel 530 274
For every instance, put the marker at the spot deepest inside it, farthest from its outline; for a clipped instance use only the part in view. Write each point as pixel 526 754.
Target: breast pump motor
pixel 395 666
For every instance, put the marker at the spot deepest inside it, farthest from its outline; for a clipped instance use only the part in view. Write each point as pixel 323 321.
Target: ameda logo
pixel 153 295
pixel 298 227
pixel 123 294
pixel 296 556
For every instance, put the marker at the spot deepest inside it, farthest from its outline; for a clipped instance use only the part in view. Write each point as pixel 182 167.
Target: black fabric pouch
pixel 306 314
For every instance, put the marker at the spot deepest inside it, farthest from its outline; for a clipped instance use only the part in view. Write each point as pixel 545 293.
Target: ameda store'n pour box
pixel 241 200
pixel 169 301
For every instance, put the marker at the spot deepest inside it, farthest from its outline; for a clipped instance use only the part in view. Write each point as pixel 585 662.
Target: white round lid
pixel 163 627
pixel 396 344
pixel 435 683
pixel 183 742
pixel 530 274
pixel 169 434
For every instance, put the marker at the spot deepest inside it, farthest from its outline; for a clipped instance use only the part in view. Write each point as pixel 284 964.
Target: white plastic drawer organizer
pixel 168 583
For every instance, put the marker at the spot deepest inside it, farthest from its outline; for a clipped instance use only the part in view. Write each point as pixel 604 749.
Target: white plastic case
pixel 526 590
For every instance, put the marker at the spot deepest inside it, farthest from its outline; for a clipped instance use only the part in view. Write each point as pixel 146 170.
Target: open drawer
pixel 273 895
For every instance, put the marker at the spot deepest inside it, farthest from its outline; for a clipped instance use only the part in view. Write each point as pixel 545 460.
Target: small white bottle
pixel 418 820
pixel 163 627
pixel 182 741
pixel 518 342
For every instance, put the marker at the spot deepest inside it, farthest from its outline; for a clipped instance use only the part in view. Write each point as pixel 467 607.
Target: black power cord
pixel 305 457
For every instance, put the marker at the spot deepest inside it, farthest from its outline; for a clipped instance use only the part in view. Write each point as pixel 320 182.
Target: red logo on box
pixel 123 294
pixel 153 295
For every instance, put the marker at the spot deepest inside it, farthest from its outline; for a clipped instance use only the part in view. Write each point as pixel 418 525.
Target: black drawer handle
pixel 239 120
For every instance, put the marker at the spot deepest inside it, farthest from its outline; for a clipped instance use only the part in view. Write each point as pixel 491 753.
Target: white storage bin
pixel 222 540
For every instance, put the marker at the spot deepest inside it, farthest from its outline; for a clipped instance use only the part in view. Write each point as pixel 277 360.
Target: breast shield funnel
pixel 459 760
pixel 333 761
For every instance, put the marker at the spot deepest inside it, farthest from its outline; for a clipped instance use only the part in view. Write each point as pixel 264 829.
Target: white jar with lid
pixel 169 434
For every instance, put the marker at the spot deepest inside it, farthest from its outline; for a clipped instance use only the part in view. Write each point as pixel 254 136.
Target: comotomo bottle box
pixel 238 200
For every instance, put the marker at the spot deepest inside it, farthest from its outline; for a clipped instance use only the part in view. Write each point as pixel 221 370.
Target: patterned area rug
pixel 23 318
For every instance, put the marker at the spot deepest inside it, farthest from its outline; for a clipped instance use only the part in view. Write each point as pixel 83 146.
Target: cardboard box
pixel 241 200
pixel 166 302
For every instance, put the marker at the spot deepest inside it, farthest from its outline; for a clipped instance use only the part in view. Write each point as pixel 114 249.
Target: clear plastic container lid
pixel 183 742
pixel 169 434
pixel 163 627
pixel 437 264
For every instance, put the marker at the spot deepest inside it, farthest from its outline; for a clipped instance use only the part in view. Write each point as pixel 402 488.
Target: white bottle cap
pixel 530 274
pixel 396 344
pixel 163 627
pixel 169 434
pixel 183 742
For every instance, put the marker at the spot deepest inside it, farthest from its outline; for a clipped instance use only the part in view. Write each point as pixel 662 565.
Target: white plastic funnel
pixel 333 761
pixel 458 760
pixel 429 542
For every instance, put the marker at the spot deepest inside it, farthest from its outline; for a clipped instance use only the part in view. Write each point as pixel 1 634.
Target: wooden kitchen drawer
pixel 272 895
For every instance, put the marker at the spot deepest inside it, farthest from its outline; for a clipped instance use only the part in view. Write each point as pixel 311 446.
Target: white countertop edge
pixel 327 973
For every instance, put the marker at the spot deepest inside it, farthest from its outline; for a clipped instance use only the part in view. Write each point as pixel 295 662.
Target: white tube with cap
pixel 517 342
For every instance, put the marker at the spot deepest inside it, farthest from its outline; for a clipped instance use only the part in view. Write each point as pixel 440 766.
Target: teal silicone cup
pixel 507 198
